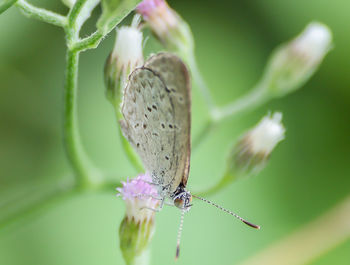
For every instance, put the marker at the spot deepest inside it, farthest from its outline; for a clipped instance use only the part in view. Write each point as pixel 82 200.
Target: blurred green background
pixel 308 173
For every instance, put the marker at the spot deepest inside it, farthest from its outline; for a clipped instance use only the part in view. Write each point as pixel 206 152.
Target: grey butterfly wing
pixel 156 108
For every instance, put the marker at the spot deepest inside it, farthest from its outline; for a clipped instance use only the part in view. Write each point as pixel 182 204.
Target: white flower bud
pixel 313 43
pixel 252 151
pixel 292 64
pixel 69 3
pixel 266 135
pixel 125 57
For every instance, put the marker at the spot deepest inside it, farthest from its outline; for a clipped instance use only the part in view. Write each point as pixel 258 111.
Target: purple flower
pixel 137 194
pixel 172 31
pixel 147 7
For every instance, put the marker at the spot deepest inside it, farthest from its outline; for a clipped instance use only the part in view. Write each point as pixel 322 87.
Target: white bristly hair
pixel 179 235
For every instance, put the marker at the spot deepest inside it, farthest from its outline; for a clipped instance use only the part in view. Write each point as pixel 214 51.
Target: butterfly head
pixel 183 199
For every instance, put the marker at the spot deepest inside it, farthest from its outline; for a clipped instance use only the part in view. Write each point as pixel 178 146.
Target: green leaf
pixel 5 4
pixel 113 12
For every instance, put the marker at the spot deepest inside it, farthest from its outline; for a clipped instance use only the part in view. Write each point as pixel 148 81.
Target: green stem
pixel 86 174
pixel 74 13
pixel 252 100
pixel 204 132
pixel 222 183
pixel 199 81
pixel 5 4
pixel 108 186
pixel 90 42
pixel 256 97
pixel 129 151
pixel 41 14
pixel 59 194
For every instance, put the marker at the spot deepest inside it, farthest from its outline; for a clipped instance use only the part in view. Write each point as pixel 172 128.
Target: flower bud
pixel 137 228
pixel 172 31
pixel 125 57
pixel 69 3
pixel 292 64
pixel 250 154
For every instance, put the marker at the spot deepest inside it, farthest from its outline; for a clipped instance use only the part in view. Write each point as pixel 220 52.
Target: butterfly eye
pixel 179 202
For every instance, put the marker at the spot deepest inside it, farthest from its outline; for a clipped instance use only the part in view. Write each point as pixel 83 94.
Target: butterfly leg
pixel 157 209
pixel 150 183
pixel 148 195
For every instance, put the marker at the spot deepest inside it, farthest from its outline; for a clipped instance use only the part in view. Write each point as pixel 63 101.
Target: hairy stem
pixel 221 184
pixel 199 81
pixel 203 133
pixel 255 98
pixel 60 193
pixel 129 151
pixel 86 174
pixel 41 14
pixel 90 42
pixel 74 13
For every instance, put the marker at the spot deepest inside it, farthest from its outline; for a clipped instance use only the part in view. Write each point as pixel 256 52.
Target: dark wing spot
pixel 154 107
pixel 149 109
pixel 170 126
pixel 138 144
pixel 144 125
pixel 163 125
pixel 166 157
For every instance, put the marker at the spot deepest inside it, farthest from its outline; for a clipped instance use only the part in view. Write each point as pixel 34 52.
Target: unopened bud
pixel 69 3
pixel 250 154
pixel 125 57
pixel 292 64
pixel 137 228
pixel 172 31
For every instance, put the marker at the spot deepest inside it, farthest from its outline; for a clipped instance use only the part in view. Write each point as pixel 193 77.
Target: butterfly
pixel 157 111
pixel 156 107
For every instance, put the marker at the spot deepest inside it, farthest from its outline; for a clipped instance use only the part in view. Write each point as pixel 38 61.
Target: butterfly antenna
pixel 179 235
pixel 229 212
